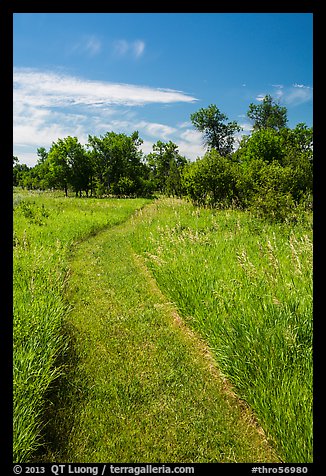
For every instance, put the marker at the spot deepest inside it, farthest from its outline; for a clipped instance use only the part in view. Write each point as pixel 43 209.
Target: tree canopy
pixel 218 134
pixel 267 114
pixel 166 164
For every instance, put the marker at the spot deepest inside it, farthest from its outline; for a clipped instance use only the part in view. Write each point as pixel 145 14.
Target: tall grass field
pixel 246 287
pixel 243 286
pixel 47 227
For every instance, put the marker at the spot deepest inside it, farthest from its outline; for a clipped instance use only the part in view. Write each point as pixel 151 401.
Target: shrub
pixel 211 181
pixel 272 205
pixel 36 214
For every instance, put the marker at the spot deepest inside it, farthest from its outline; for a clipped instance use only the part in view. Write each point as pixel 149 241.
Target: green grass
pixel 246 287
pixel 46 229
pixel 106 370
pixel 139 387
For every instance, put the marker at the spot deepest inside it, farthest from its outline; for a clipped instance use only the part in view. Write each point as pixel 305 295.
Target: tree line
pixel 112 164
pixel 269 173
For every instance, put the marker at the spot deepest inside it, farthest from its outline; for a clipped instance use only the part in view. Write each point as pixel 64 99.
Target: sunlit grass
pixel 140 387
pixel 134 381
pixel 46 230
pixel 246 286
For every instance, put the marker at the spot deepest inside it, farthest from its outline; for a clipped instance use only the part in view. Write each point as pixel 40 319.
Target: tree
pixel 264 144
pixel 218 134
pixel 117 163
pixel 211 180
pixel 21 174
pixel 276 171
pixel 58 164
pixel 300 139
pixel 267 114
pixel 69 165
pixel 165 164
pixel 42 154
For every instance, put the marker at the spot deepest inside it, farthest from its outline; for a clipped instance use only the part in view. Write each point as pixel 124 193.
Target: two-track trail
pixel 139 385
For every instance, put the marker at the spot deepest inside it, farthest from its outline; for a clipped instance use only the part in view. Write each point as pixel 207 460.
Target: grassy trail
pixel 140 386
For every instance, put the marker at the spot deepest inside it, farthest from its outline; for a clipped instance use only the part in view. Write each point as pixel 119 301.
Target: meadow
pixel 47 227
pixel 243 286
pixel 246 287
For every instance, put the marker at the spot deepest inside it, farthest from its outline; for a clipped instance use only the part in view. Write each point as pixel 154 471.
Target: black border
pixel 7 9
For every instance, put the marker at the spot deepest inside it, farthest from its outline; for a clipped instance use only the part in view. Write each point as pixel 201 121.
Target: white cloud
pixel 293 95
pixel 139 47
pixel 49 89
pixel 49 105
pixel 190 135
pixel 93 45
pixel 147 146
pixel 191 150
pixel 298 94
pixel 246 127
pixel 122 48
pixel 184 124
pixel 189 141
pixel 90 45
pixel 153 129
pixel 296 85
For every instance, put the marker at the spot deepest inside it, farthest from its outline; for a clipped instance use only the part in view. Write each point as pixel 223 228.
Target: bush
pixel 272 191
pixel 124 186
pixel 272 205
pixel 36 214
pixel 211 181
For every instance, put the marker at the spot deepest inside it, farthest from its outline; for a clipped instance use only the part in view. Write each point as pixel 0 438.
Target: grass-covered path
pixel 139 386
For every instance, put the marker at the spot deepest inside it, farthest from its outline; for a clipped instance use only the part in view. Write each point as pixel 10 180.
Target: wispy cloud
pixel 155 130
pixel 260 96
pixel 138 47
pixel 298 94
pixel 89 45
pixel 49 105
pixel 49 89
pixel 93 45
pixel 123 48
pixel 293 95
pixel 190 144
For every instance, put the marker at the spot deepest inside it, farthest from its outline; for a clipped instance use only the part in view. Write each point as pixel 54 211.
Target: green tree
pixel 291 148
pixel 265 144
pixel 218 134
pixel 267 114
pixel 165 165
pixel 299 140
pixel 211 180
pixel 276 174
pixel 21 174
pixel 117 163
pixel 271 195
pixel 298 146
pixel 58 165
pixel 42 154
pixel 69 165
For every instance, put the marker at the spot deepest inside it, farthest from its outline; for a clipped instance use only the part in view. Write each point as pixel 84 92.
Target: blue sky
pixel 79 74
